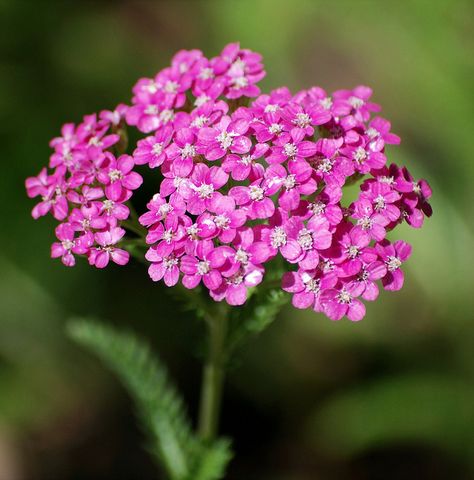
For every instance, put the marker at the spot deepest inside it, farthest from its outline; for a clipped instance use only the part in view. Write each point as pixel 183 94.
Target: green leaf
pixel 159 405
pixel 256 316
pixel 213 461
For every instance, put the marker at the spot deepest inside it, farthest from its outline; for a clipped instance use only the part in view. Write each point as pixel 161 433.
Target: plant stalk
pixel 213 377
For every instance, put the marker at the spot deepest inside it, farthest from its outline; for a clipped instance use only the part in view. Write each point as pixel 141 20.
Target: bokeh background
pixel 391 397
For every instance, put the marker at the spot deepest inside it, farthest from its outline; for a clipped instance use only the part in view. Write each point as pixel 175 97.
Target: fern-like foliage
pixel 255 316
pixel 213 461
pixel 160 407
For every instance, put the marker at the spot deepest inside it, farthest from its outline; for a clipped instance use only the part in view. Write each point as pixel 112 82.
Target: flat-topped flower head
pixel 240 178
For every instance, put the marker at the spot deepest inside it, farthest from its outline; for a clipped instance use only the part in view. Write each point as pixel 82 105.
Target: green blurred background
pixel 391 397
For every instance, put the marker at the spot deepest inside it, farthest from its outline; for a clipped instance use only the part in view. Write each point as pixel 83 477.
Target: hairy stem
pixel 213 375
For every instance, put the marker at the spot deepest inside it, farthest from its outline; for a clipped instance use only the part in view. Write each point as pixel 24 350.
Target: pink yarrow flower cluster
pixel 246 178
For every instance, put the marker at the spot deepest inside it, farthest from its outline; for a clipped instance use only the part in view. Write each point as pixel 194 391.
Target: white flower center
pixel 379 202
pixel 157 149
pixel 278 237
pixel 193 231
pixel 290 149
pixel 222 221
pixel 188 151
pixel 108 205
pixel 115 175
pixel 171 87
pixel 241 256
pixel 206 73
pixel 353 251
pixel 239 82
pixel 85 223
pixel 313 285
pixel 305 239
pixel 302 120
pixel 275 128
pixel 365 223
pixel 166 116
pixel 201 100
pixel 168 235
pixel 199 121
pixel 393 263
pixel 246 160
pixel 203 267
pixel 371 132
pixel 325 165
pixel 356 102
pixel 152 87
pixel 326 103
pixel 178 182
pixel 151 110
pixel 235 279
pixel 205 190
pixel 256 193
pixel 387 180
pixel 170 262
pixel 271 108
pixel 317 208
pixel 289 182
pixel 68 244
pixel 344 296
pixel 165 209
pixel 360 155
pixel 226 138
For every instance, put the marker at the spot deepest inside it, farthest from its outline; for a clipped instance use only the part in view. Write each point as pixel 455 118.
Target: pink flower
pixel 307 286
pixel 366 278
pixel 393 256
pixel 246 166
pixel 340 301
pixel 152 150
pixel 234 289
pixel 107 250
pixel 293 185
pixel 254 199
pixel 227 136
pixel 204 265
pixel 291 147
pixel 358 100
pixel 69 245
pixel 288 158
pixel 118 176
pixel 201 192
pixel 296 116
pixel 166 268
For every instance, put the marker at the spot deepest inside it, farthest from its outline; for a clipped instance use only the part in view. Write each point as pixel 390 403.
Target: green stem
pixel 213 377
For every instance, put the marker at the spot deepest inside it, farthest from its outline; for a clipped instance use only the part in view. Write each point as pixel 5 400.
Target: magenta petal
pixel 114 191
pixel 236 295
pixel 132 181
pixel 191 281
pixel 212 280
pixel 171 276
pixel 264 208
pixel 303 300
pixel 119 256
pixel 291 250
pixel 156 271
pixel 335 310
pixel 393 281
pixel 102 259
pixel 241 145
pixel 356 310
pixel 291 282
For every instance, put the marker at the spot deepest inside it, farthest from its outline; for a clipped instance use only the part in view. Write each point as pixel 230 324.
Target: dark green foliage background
pixel 391 397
